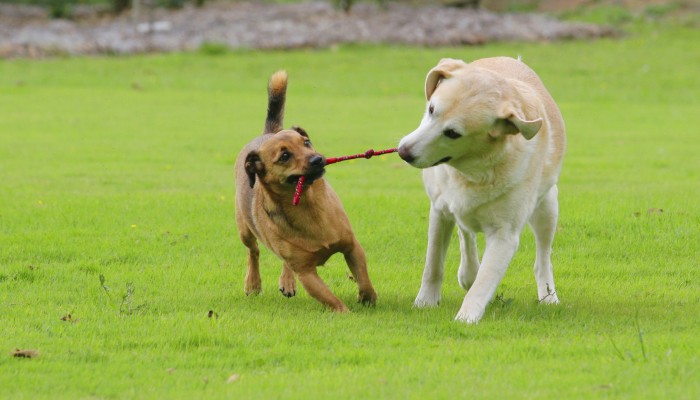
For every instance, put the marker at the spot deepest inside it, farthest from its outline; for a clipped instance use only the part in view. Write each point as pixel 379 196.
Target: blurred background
pixel 37 28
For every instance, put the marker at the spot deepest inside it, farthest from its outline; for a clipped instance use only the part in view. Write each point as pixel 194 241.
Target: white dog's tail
pixel 276 94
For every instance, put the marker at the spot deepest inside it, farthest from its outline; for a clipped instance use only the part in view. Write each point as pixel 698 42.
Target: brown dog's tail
pixel 276 94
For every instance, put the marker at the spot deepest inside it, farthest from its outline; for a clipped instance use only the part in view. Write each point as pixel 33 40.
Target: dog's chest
pixel 302 235
pixel 471 205
pixel 461 205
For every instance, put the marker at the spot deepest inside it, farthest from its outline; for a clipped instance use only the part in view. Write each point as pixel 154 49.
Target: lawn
pixel 120 262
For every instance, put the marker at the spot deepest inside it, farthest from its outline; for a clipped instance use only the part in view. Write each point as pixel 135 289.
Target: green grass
pixel 123 168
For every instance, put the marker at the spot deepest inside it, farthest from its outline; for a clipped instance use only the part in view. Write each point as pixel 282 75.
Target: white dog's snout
pixel 405 152
pixel 406 148
pixel 414 141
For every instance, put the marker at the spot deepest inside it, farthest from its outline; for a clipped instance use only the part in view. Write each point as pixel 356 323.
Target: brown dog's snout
pixel 317 161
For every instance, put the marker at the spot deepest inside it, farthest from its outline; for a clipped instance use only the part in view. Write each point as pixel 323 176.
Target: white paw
pixel 465 281
pixel 470 312
pixel 550 298
pixel 427 298
pixel 547 295
pixel 469 318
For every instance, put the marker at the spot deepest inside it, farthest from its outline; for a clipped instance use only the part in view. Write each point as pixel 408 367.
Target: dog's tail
pixel 276 94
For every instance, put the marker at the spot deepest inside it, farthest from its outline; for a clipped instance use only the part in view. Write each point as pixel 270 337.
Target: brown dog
pixel 303 236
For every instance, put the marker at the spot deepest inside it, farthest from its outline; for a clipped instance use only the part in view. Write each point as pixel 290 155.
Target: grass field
pixel 116 208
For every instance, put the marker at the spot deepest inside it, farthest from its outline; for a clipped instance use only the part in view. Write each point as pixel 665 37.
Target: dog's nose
pixel 405 154
pixel 317 161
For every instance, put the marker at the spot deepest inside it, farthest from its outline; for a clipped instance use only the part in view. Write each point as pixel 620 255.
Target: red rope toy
pixel 367 154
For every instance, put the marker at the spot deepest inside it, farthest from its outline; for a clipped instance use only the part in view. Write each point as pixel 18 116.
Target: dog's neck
pixel 489 168
pixel 278 204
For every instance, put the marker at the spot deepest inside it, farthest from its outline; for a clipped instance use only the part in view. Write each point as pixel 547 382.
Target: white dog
pixel 491 143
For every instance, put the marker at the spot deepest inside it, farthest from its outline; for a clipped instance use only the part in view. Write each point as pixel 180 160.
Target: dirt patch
pixel 25 32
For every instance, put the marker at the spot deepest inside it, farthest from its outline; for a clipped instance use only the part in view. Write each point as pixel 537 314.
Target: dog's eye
pixel 431 109
pixel 285 156
pixel 451 133
pixel 307 143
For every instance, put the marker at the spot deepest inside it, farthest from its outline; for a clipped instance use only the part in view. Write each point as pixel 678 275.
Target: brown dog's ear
pixel 444 69
pixel 254 166
pixel 301 131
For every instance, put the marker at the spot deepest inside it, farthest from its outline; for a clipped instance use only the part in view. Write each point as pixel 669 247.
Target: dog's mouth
pixel 442 161
pixel 309 178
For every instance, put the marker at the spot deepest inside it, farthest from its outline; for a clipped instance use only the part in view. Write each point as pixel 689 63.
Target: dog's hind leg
pixel 253 283
pixel 469 262
pixel 544 224
pixel 355 257
pixel 315 286
pixel 288 283
pixel 439 232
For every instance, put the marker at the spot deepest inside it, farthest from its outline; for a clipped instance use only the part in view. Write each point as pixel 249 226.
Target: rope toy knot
pixel 369 153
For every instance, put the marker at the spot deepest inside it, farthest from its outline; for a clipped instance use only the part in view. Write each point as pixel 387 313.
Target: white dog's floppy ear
pixel 519 114
pixel 444 69
pixel 512 123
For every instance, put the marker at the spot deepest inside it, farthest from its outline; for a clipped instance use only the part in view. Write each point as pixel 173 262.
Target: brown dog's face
pixel 283 159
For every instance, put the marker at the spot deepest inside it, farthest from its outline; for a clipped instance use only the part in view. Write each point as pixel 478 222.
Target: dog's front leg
pixel 500 247
pixel 287 282
pixel 315 286
pixel 357 262
pixel 439 232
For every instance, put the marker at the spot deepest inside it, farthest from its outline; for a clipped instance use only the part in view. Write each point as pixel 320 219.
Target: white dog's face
pixel 468 111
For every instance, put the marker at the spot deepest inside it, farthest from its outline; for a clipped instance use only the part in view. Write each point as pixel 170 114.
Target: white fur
pixel 493 183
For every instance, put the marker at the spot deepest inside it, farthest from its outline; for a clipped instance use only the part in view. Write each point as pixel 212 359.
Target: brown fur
pixel 303 236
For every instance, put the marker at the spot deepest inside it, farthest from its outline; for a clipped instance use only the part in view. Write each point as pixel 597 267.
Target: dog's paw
pixel 464 280
pixel 422 303
pixel 468 318
pixel 466 276
pixel 253 284
pixel 288 285
pixel 252 287
pixel 547 295
pixel 288 292
pixel 470 313
pixel 367 298
pixel 549 299
pixel 428 296
pixel 339 308
pixel 427 301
